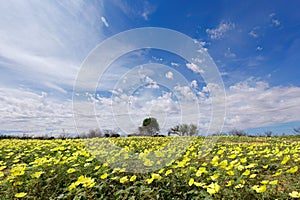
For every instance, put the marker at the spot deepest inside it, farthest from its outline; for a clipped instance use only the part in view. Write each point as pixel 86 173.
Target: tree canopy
pixel 183 130
pixel 150 126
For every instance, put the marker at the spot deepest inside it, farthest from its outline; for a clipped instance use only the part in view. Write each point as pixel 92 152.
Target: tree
pixel 297 130
pixel 183 130
pixel 150 126
pixel 236 132
pixel 268 133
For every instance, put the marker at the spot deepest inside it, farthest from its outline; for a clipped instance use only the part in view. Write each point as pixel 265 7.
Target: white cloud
pixel 259 48
pixel 194 84
pixel 220 31
pixel 195 68
pixel 253 34
pixel 141 9
pixel 169 75
pixel 186 92
pixel 254 103
pixel 251 103
pixel 31 112
pixel 229 53
pixel 45 42
pixel 174 64
pixel 275 22
pixel 103 19
pixel 151 83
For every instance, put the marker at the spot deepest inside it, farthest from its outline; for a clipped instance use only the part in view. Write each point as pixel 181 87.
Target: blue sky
pixel 255 45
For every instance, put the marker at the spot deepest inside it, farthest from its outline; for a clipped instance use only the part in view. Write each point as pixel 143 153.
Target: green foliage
pixel 183 130
pixel 150 126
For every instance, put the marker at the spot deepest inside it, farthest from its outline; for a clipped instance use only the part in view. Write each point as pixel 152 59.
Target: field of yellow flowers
pixel 231 168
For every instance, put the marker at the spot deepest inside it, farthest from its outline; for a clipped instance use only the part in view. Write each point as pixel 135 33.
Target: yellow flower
pixel 292 170
pixel 260 189
pixel 37 174
pixel 168 172
pixel 72 186
pixel 276 174
pixel 85 181
pixel 199 184
pixel 155 176
pixel 243 160
pixel 200 171
pixel 97 167
pixel 264 182
pixel 240 167
pixel 133 178
pixel 275 182
pixel 124 179
pixel 149 180
pixel 213 188
pixel 253 175
pixel 191 182
pixel 215 160
pixel 229 183
pixel 71 170
pixel 104 176
pixel 18 170
pixel 265 166
pixel 239 186
pixel 214 177
pixel 246 173
pixel 1 174
pixel 230 173
pixel 223 164
pixel 294 194
pixel 285 159
pixel 250 165
pixel 18 183
pixel 233 156
pixel 21 194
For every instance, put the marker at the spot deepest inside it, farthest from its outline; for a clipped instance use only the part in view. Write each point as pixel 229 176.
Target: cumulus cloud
pixel 249 104
pixel 219 32
pixel 254 103
pixel 33 112
pixel 169 75
pixel 195 68
pixel 194 84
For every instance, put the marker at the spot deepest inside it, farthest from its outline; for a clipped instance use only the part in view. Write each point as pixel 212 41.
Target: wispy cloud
pixel 139 9
pixel 275 22
pixel 253 34
pixel 45 42
pixel 229 53
pixel 219 32
pixel 103 19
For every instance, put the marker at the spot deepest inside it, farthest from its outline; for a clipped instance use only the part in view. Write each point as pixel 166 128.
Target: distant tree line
pixel 150 127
